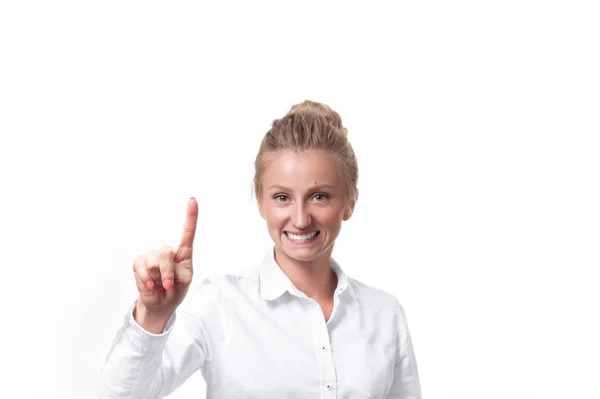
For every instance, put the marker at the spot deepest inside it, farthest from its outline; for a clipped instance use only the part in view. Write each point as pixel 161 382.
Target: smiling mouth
pixel 302 237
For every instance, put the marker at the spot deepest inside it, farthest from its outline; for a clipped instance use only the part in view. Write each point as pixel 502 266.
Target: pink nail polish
pixel 150 285
pixel 168 284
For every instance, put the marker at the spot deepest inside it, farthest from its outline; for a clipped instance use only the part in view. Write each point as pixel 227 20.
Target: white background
pixel 475 123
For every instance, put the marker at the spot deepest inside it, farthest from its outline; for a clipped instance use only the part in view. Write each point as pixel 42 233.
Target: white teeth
pixel 301 237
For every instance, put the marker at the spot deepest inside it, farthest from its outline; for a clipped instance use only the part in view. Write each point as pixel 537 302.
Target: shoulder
pixel 233 279
pixel 370 296
pixel 224 285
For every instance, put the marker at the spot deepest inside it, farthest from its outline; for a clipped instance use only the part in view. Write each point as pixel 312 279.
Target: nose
pixel 301 217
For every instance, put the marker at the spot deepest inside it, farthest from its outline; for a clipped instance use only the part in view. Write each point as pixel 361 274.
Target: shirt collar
pixel 274 282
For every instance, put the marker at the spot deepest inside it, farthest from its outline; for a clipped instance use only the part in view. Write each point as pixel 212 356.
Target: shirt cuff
pixel 144 340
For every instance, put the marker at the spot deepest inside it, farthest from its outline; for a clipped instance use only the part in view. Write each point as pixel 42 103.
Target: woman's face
pixel 304 203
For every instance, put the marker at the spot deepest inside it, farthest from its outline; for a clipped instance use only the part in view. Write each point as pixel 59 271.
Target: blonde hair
pixel 309 126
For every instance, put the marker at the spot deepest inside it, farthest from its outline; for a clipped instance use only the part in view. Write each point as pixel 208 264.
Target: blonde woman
pixel 295 326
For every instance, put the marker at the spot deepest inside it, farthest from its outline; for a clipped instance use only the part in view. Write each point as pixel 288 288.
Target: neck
pixel 314 278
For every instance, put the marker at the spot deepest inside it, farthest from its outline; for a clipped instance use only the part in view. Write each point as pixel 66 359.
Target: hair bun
pixel 309 126
pixel 323 110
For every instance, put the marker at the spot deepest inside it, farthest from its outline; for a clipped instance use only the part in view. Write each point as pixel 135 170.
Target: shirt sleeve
pixel 151 366
pixel 406 384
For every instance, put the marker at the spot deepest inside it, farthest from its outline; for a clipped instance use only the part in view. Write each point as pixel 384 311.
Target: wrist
pixel 152 322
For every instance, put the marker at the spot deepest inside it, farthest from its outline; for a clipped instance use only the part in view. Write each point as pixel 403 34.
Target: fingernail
pixel 150 285
pixel 168 284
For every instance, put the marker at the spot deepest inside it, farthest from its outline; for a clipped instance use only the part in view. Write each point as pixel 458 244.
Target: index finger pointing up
pixel 189 228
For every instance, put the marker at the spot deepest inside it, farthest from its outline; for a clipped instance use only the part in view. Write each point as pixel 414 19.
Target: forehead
pixel 301 169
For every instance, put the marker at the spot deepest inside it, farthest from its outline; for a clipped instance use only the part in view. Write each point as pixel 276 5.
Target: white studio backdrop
pixel 475 125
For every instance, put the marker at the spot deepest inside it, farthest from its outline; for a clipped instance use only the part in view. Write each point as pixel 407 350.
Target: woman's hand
pixel 164 276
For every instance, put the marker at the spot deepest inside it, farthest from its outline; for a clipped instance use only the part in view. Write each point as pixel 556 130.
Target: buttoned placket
pixel 328 376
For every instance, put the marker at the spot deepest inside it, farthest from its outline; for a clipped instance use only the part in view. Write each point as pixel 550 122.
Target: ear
pixel 261 210
pixel 350 208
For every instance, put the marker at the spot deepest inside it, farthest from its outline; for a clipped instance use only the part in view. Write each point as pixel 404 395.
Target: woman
pixel 295 326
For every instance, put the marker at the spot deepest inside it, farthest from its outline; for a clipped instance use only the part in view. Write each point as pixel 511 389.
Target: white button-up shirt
pixel 255 335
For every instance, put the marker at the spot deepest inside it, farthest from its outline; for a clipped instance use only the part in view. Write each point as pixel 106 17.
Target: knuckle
pixel 152 260
pixel 138 263
pixel 165 252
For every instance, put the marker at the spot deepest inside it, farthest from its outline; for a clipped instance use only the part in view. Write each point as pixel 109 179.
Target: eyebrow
pixel 317 187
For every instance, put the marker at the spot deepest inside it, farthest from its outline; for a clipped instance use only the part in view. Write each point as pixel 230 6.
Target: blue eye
pixel 321 197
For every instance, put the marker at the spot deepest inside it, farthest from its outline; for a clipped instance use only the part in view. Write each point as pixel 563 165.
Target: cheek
pixel 275 216
pixel 332 218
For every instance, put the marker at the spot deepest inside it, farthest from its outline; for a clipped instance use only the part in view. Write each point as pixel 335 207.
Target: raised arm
pixel 157 348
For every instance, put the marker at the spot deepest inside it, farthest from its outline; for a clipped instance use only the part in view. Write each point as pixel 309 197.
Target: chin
pixel 302 256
